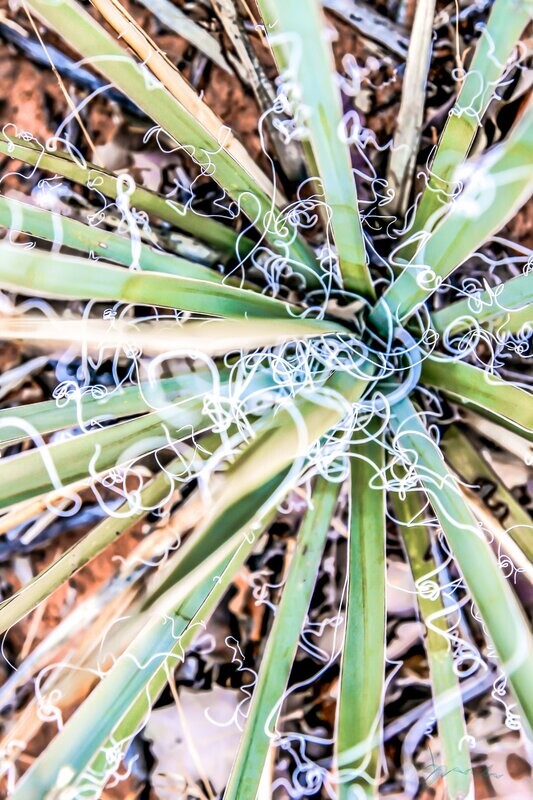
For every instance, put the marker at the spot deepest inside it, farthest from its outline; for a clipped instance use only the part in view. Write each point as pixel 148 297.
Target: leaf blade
pixel 309 62
pixel 189 122
pixel 359 713
pixel 493 50
pixel 276 663
pixel 35 272
pixel 512 297
pixel 56 466
pixel 282 440
pixel 98 179
pixel 447 699
pixel 473 468
pixel 90 408
pixel 487 394
pixel 211 337
pixel 497 604
pixel 62 231
pixel 499 186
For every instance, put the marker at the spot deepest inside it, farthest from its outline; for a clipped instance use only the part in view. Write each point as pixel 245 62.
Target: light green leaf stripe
pixel 445 689
pixel 282 645
pixel 487 394
pixel 497 604
pixel 299 41
pixel 98 179
pixel 361 689
pixel 507 20
pixel 234 171
pixel 513 296
pixel 62 231
pixel 262 505
pixel 500 183
pixel 36 272
pixel 221 581
pixel 164 336
pixel 188 622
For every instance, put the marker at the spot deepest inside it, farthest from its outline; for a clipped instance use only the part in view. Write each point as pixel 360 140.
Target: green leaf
pixel 515 295
pixel 500 183
pixel 177 611
pixel 469 463
pixel 13 608
pixel 513 322
pixel 36 472
pixel 36 272
pixel 360 705
pixel 219 578
pixel 487 394
pixel 62 231
pixel 98 179
pixel 98 405
pixel 447 699
pixel 304 57
pixel 507 20
pixel 497 604
pixel 190 122
pixel 53 466
pixel 282 644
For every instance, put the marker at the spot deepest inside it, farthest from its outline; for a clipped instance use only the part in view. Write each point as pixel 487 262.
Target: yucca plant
pixel 285 357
